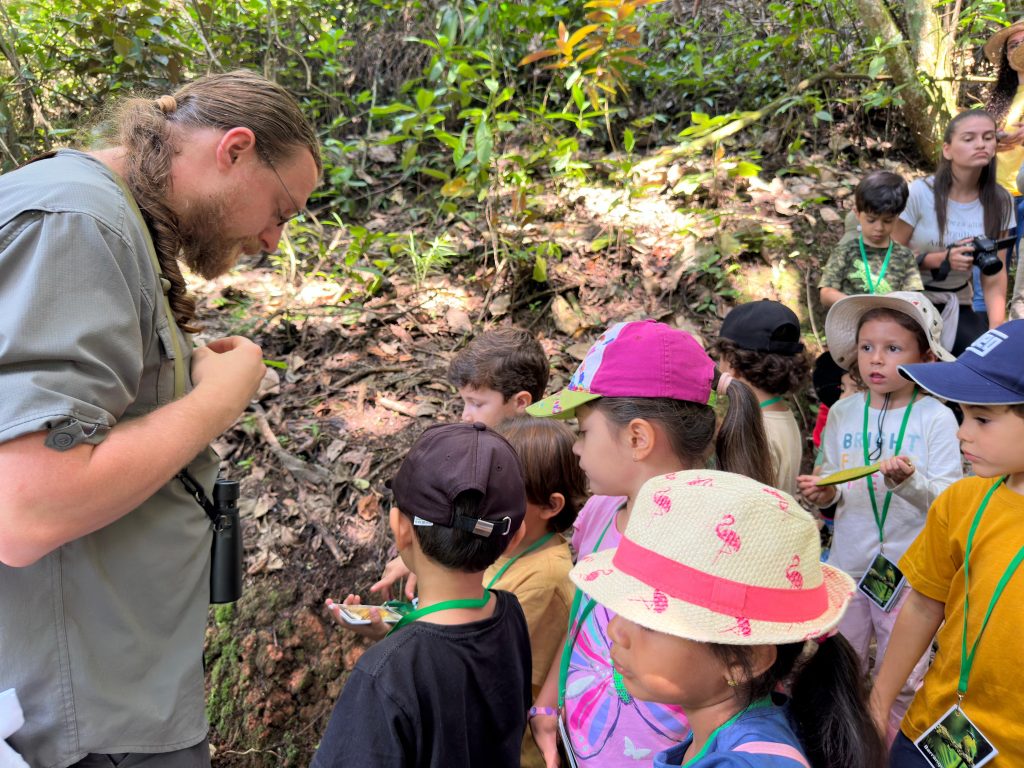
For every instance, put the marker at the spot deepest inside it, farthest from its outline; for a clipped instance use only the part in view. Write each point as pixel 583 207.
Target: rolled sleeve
pixel 71 349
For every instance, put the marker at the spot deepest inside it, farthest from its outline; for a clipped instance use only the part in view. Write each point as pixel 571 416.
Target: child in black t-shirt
pixel 450 685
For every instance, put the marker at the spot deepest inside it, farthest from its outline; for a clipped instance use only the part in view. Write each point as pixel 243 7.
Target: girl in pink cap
pixel 644 397
pixel 717 627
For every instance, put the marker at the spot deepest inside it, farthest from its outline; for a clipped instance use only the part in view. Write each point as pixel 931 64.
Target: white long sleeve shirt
pixel 931 444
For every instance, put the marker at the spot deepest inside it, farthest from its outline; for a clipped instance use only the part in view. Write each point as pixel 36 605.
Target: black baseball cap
pixel 763 326
pixel 449 459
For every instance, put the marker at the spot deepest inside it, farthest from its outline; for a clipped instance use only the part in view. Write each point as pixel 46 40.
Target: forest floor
pixel 351 389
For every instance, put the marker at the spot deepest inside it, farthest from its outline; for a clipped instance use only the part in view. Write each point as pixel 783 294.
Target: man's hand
pixel 819 495
pixel 396 570
pixel 232 367
pixel 375 630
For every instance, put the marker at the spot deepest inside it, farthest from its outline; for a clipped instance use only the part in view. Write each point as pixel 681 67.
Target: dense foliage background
pixel 451 107
pixel 563 163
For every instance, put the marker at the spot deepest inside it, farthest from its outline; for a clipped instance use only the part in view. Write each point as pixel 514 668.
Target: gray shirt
pixel 962 220
pixel 103 637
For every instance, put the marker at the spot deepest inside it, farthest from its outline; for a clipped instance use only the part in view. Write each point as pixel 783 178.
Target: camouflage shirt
pixel 844 270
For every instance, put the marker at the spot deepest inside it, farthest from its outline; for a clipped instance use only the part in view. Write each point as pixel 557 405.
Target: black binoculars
pixel 226 568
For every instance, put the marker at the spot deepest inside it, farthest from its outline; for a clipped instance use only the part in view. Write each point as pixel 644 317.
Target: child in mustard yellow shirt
pixel 963 570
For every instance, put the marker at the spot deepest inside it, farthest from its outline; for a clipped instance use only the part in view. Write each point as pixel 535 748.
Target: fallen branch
pixel 398 407
pixel 352 378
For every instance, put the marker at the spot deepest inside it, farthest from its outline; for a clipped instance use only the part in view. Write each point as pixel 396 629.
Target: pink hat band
pixel 716 593
pixel 718 558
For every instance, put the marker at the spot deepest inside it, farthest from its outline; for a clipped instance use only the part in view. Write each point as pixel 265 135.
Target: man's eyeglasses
pixel 282 219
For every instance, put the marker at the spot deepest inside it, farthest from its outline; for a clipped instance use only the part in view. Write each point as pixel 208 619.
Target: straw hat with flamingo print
pixel 718 557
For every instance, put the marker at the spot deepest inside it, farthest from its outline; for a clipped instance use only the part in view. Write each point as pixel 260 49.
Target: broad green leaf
pixel 745 169
pixel 424 99
pixel 540 269
pixel 122 45
pixel 484 143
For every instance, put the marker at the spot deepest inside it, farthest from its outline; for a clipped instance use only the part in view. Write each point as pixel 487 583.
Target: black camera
pixel 226 568
pixel 986 253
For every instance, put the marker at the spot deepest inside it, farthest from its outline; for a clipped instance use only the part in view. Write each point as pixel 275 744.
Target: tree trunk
pixel 920 66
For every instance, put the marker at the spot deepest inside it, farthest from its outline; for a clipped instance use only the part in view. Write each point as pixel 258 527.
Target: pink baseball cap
pixel 644 358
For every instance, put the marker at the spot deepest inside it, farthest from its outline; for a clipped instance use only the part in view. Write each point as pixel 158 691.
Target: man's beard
pixel 204 247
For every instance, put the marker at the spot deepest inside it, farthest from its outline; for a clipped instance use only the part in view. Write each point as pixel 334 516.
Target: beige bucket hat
pixel 994 45
pixel 844 317
pixel 718 558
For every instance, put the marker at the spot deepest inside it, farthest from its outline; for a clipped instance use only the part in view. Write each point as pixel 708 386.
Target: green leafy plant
pixel 425 258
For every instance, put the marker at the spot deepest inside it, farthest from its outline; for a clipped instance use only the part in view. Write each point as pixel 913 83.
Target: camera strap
pixel 195 490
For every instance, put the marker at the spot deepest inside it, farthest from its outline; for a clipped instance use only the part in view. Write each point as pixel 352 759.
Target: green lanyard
pixel 967 659
pixel 873 286
pixel 563 669
pixel 770 401
pixel 880 519
pixel 444 605
pixel 536 545
pixel 759 704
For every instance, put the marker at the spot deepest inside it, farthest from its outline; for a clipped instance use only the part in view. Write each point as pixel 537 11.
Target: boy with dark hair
pixel 872 262
pixel 498 374
pixel 759 343
pixel 964 575
pixel 450 685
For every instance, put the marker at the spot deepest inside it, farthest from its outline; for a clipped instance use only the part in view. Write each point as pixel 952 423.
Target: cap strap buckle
pixel 484 528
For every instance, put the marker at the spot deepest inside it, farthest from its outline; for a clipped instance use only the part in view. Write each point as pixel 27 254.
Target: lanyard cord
pixel 444 605
pixel 770 401
pixel 873 285
pixel 967 659
pixel 563 670
pixel 759 704
pixel 880 519
pixel 535 546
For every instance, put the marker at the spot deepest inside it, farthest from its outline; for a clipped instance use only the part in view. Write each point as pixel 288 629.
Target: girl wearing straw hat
pixel 717 630
pixel 644 397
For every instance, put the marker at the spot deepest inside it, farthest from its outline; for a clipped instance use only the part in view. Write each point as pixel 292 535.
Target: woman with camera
pixel 944 214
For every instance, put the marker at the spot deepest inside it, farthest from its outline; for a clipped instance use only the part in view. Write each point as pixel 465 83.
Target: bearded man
pixel 104 556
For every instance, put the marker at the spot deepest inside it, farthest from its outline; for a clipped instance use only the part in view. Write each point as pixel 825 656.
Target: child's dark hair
pixel 549 465
pixel 901 319
pixel 507 360
pixel 829 699
pixel 455 548
pixel 740 446
pixel 774 373
pixel 881 192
